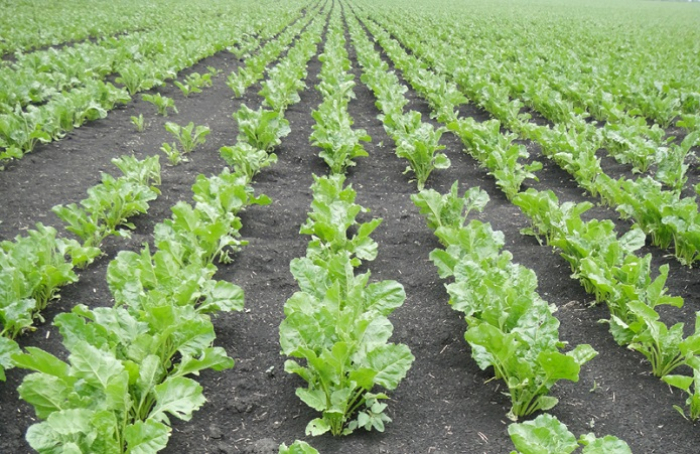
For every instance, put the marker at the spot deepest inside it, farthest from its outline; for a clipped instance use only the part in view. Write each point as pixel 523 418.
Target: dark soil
pixel 446 404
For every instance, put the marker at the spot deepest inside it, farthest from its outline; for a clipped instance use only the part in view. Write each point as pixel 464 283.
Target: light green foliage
pixel 449 210
pixel 19 132
pixel 210 229
pixel 189 136
pixel 194 83
pixel 162 103
pixel 496 152
pixel 282 86
pixel 139 123
pixel 546 435
pixel 182 279
pixel 32 269
pixel 417 142
pixel 261 128
pixel 333 131
pixel 131 367
pixel 608 267
pixel 338 324
pixel 510 328
pixel 689 385
pixel 110 204
pixel 173 153
pixel 333 214
pixel 246 159
pixel 254 66
pixel 298 447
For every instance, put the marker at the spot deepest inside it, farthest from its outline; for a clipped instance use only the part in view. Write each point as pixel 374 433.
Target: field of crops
pixel 368 227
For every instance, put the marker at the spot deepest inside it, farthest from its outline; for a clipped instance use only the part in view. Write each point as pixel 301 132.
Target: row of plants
pixel 337 323
pixel 624 134
pixel 130 366
pixel 416 141
pixel 608 267
pixel 663 214
pixel 37 77
pixel 261 131
pixel 333 132
pixel 37 265
pixel 510 327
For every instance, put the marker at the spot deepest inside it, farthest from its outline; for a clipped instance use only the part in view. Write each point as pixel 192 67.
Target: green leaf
pixel 214 358
pixel 46 393
pixel 605 445
pixel 315 399
pixel 391 362
pixel 298 447
pixel 544 435
pixel 94 366
pixel 317 427
pixel 146 437
pixel 8 350
pixel 178 396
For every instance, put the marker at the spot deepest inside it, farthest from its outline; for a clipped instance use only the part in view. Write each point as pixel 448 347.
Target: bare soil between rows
pixel 446 404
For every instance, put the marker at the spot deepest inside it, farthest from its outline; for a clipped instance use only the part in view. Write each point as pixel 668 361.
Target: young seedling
pixel 139 122
pixel 162 103
pixel 194 83
pixel 213 71
pixel 173 154
pixel 189 136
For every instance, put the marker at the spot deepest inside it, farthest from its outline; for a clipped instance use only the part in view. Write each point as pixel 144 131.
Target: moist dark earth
pixel 446 404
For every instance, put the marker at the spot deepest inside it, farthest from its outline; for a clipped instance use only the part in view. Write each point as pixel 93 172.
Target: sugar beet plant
pixel 333 214
pixel 509 327
pixel 333 131
pixel 546 434
pixel 608 267
pixel 188 136
pixel 261 128
pixel 110 204
pixel 337 324
pixel 130 367
pixel 35 266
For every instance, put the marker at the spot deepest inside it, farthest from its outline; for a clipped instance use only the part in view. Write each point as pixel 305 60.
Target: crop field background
pixel 373 227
